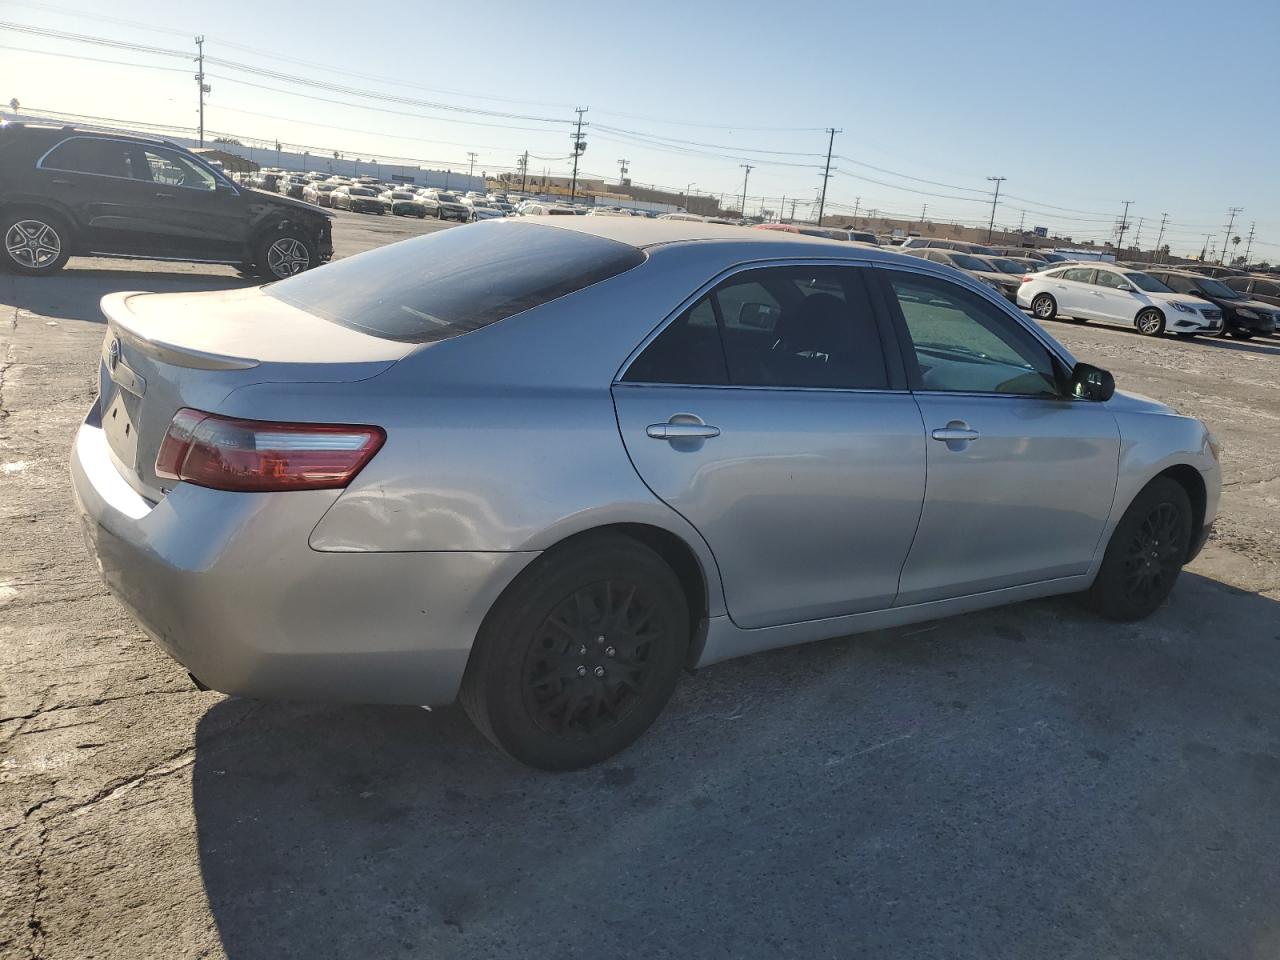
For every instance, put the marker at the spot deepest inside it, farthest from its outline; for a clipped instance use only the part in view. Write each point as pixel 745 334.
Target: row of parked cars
pixel 371 195
pixel 1187 300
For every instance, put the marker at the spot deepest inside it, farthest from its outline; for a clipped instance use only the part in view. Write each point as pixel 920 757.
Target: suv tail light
pixel 1028 277
pixel 260 455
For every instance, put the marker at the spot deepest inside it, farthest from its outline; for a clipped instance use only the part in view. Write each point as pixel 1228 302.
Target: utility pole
pixel 1164 218
pixel 1124 225
pixel 471 166
pixel 826 173
pixel 1230 223
pixel 995 198
pixel 793 210
pixel 748 168
pixel 688 194
pixel 201 87
pixel 524 170
pixel 923 211
pixel 1249 246
pixel 1137 236
pixel 782 208
pixel 1022 221
pixel 857 201
pixel 579 146
pixel 622 166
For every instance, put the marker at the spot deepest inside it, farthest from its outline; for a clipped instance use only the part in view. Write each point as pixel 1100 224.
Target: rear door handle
pixel 61 182
pixel 953 432
pixel 164 196
pixel 682 426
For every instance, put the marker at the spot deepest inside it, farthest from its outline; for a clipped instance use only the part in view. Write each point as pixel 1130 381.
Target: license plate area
pixel 121 430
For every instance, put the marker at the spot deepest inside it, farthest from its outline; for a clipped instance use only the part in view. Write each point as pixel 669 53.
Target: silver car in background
pixel 545 465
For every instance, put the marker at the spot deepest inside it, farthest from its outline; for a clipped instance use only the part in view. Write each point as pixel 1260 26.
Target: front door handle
pixel 164 196
pixel 955 430
pixel 61 182
pixel 682 426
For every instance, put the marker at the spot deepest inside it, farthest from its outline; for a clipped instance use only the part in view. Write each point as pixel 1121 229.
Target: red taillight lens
pixel 260 455
pixel 1027 278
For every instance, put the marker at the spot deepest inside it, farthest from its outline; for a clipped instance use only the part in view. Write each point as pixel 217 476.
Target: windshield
pixel 447 198
pixel 361 192
pixel 1146 282
pixel 1216 288
pixel 966 262
pixel 448 283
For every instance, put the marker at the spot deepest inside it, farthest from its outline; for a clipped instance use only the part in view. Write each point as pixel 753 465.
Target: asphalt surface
pixel 1026 782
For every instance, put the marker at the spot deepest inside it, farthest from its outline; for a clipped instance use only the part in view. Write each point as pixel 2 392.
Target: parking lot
pixel 1024 782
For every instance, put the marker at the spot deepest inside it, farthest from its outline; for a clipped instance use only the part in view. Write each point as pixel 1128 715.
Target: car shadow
pixel 74 294
pixel 1264 345
pixel 1022 782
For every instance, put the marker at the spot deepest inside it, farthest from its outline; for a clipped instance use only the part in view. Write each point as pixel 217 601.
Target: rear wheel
pixel 580 655
pixel 1044 307
pixel 1145 555
pixel 1240 333
pixel 1188 336
pixel 283 254
pixel 1149 322
pixel 36 243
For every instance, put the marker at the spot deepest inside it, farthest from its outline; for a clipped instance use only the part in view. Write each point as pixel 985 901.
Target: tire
pixel 34 242
pixel 1044 307
pixel 1188 336
pixel 1145 554
pixel 1149 322
pixel 1240 333
pixel 283 253
pixel 580 654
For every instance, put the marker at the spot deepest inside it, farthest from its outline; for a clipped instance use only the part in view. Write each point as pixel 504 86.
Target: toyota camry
pixel 543 465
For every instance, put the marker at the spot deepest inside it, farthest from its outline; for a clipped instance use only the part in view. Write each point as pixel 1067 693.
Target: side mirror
pixel 1092 383
pixel 1125 288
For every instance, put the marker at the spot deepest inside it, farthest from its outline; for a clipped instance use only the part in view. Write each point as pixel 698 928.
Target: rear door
pixel 1072 288
pixel 1020 477
pixel 100 180
pixel 768 414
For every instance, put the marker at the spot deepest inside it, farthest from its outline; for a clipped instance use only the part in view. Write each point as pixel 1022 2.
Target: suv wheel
pixel 281 255
pixel 580 655
pixel 35 242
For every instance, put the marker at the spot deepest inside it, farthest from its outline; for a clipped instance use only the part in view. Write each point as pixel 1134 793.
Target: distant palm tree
pixel 14 105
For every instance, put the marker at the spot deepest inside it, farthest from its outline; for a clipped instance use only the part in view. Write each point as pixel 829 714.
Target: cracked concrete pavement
pixel 1023 782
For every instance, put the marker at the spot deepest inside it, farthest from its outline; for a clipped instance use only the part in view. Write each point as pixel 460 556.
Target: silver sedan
pixel 544 467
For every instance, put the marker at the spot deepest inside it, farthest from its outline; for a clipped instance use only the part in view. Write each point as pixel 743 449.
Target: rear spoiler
pixel 124 323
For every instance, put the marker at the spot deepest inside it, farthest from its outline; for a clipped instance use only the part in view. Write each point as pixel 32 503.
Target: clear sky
pixel 1172 105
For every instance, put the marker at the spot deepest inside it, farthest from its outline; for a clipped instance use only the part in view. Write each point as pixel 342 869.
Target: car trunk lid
pixel 163 352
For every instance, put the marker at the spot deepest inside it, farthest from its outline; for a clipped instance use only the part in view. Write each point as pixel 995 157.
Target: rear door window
pixel 1079 274
pixel 451 282
pixel 95 155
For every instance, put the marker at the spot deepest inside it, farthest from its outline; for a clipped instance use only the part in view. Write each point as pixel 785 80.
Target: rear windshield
pixel 454 281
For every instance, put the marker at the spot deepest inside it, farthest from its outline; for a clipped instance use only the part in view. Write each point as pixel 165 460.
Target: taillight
pixel 261 455
pixel 1027 278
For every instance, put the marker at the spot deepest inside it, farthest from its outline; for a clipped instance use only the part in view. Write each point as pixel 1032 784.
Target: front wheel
pixel 35 243
pixel 1240 333
pixel 1188 336
pixel 1044 307
pixel 1145 554
pixel 281 255
pixel 1149 322
pixel 580 655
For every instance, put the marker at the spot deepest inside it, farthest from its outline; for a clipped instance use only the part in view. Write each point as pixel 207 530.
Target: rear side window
pixel 451 282
pixel 1078 274
pixel 106 158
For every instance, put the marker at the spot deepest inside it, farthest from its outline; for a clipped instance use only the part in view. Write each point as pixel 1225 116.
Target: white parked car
pixel 1102 292
pixel 544 209
pixel 482 209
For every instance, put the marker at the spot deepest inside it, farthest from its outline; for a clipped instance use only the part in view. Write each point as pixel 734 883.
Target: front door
pixel 186 213
pixel 766 416
pixel 1115 297
pixel 1020 477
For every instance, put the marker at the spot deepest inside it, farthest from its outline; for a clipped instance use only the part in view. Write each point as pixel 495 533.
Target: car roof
pixel 50 129
pixel 644 232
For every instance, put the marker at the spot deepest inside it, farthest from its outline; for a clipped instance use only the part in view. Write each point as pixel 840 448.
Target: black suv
pixel 67 191
pixel 1241 316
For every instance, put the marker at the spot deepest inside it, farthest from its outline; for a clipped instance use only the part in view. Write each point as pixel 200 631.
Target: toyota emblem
pixel 113 354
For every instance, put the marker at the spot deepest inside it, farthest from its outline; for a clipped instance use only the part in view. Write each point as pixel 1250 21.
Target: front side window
pixel 1113 281
pixel 175 170
pixel 1180 284
pixel 963 343
pixel 773 327
pixel 102 157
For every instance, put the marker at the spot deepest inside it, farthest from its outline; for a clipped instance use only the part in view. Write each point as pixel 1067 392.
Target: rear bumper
pixel 226 584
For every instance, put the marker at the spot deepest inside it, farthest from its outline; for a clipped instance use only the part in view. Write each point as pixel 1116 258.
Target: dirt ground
pixel 1022 782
